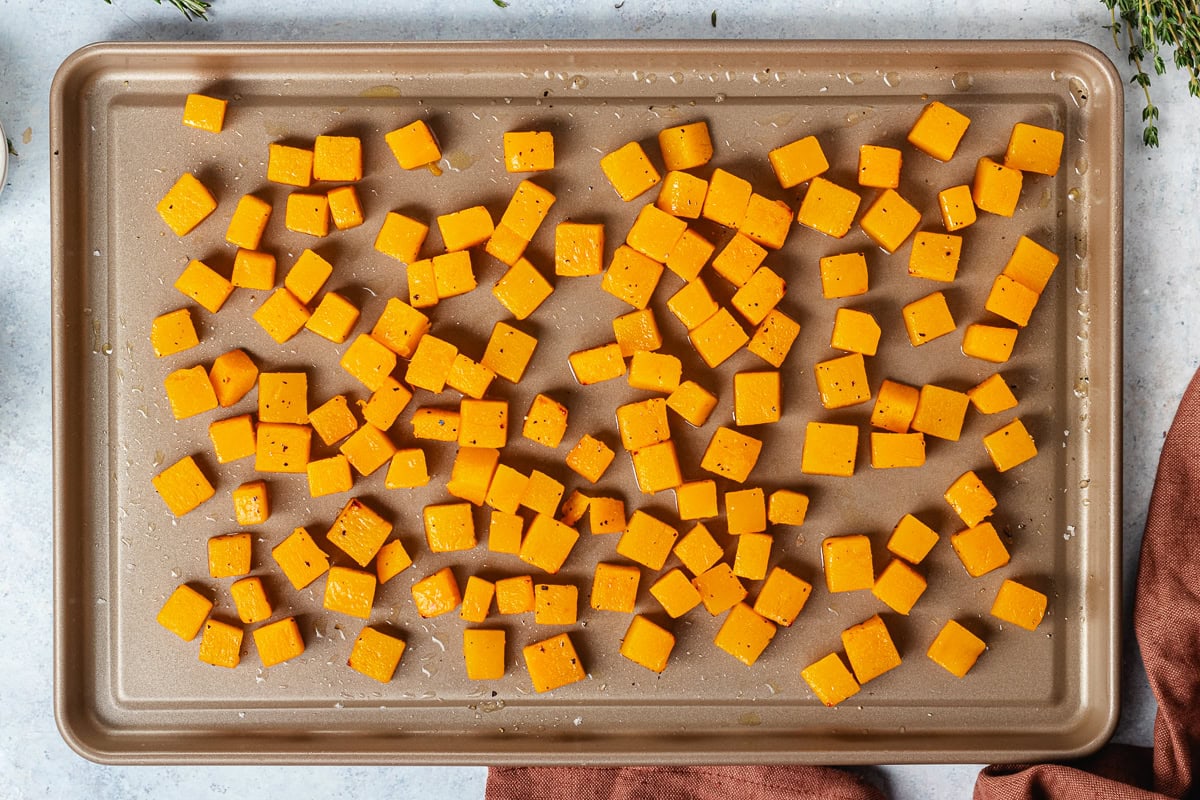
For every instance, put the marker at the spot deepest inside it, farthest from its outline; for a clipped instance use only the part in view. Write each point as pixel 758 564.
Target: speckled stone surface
pixel 1162 293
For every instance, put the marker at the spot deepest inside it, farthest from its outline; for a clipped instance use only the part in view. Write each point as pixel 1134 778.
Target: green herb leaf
pixel 12 151
pixel 714 18
pixel 500 3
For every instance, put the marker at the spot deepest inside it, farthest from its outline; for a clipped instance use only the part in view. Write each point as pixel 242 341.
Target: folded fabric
pixel 1166 619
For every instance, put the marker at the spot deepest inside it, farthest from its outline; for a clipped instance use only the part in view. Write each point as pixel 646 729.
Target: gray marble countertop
pixel 1162 200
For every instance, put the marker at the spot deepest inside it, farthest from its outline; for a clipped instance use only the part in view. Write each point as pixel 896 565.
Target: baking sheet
pixel 127 691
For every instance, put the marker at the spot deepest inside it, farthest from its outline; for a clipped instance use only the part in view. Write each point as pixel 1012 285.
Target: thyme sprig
pixel 191 9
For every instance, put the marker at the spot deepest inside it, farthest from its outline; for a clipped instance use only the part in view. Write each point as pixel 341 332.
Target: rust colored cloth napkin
pixel 1167 623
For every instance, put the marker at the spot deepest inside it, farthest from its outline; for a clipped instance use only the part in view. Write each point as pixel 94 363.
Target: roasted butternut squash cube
pixel 547 543
pixel 928 318
pixel 430 363
pixel 368 449
pixel 422 284
pixel 578 249
pixel 329 476
pixel 333 420
pixel 289 165
pixel 655 233
pixel 300 558
pixel 467 228
pixel 970 499
pixel 912 539
pixel 675 593
pixel 283 397
pixel 590 458
pixel 251 601
pixel 938 130
pixel 471 475
pixel 786 507
pixel 391 560
pixel 744 634
pixel 453 274
pixel 774 337
pixel 233 375
pixel 844 275
pixel 400 327
pixel 414 145
pixel 731 454
pixel 895 406
pixel 889 220
pixel 508 352
pixel 182 486
pixel 955 649
pixel 848 565
pixel 718 338
pixel 449 527
pixel 506 245
pixel 798 161
pixel 221 644
pixel 1031 264
pixel 401 237
pixel 436 594
pixel 992 343
pixel 555 604
pixel 828 208
pixel 870 649
pixel 957 207
pixel 698 550
pixel 528 151
pixel 574 507
pixel 766 222
pixel 682 195
pixel 483 423
pixel 173 333
pixel 477 599
pixel 278 641
pixel 204 285
pixel 614 587
pixel 992 395
pixel 189 392
pixel 1011 300
pixel 980 549
pixel 629 171
pixel 204 113
pixel 281 315
pixel 647 644
pixel 542 493
pixel 483 654
pixel 842 382
pixel 654 372
pixel 307 276
pixel 631 276
pixel 720 590
pixel 759 295
pixel 229 555
pixel 437 424
pixel 597 364
pixel 692 402
pixel 248 222
pixel 372 363
pixel 935 256
pixel 739 259
pixel 855 331
pixel 606 515
pixel 899 586
pixel 940 412
pixel 693 304
pixel 829 449
pixel 307 213
pixel 385 404
pixel 643 423
pixel 1020 605
pixel 752 556
pixel 553 663
pixel 696 500
pixel 350 591
pixel 506 489
pixel 522 289
pixel 647 540
pixel 782 597
pixel 505 532
pixel 830 680
pixel 756 398
pixel 186 204
pixel 358 531
pixel 897 450
pixel 727 198
pixel 690 254
pixel 685 146
pixel 407 469
pixel 337 158
pixel 184 612
pixel 879 167
pixel 376 654
pixel 251 503
pixel 345 208
pixel 1010 446
pixel 997 188
pixel 657 467
pixel 1032 148
pixel 253 270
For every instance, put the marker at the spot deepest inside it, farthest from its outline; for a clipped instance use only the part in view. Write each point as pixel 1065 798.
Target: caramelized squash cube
pixel 686 146
pixel 938 130
pixel 590 458
pixel 848 565
pixel 647 644
pixel 842 382
pixel 955 649
pixel 1010 446
pixel 184 612
pixel 870 649
pixel 828 208
pixel 980 549
pixel 1020 605
pixel 186 204
pixel 376 654
pixel 798 161
pixel 744 634
pixel 449 527
pixel 350 591
pixel 436 594
pixel 629 171
pixel 731 454
pixel 413 145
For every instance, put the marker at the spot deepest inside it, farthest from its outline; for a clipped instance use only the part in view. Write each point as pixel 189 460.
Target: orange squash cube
pixel 675 593
pixel 281 315
pixel 935 256
pixel 842 382
pixel 928 318
pixel 782 597
pixel 843 275
pixel 300 559
pixel 391 560
pixel 830 680
pixel 957 207
pixel 376 654
pixel 997 188
pixel 647 540
pixel 350 591
pixel 590 458
pixel 828 208
pixel 553 663
pixel 184 612
pixel 606 515
pixel 752 556
pixel 766 222
pixel 629 171
pixel 449 527
pixel 682 195
pixel 204 285
pixel 693 304
pixel 980 549
pixel 467 228
pixel 229 555
pixel 555 604
pixel 912 539
pixel 283 397
pixel 337 158
pixel 334 318
pixel 358 531
pixel 614 587
pixel 718 338
pixel 744 634
pixel 720 590
pixel 848 565
pixel 436 594
pixel 483 653
pixel 401 237
pixel 696 500
pixel 647 644
pixel 345 208
pixel 1011 300
pixel 731 454
pixel 1020 605
pixel 508 352
pixel 870 649
pixel 307 213
pixel 186 204
pixel 173 333
pixel 829 449
pixel 798 161
pixel 182 486
pixel 528 151
pixel 204 113
pixel 739 259
pixel 774 337
pixel 785 507
pixel 278 641
pixel 992 395
pixel 692 402
pixel 889 220
pixel 1031 264
pixel 992 343
pixel 970 499
pixel 288 165
pixel 855 332
pixel 631 276
pixel 727 198
pixel 940 412
pixel 897 450
pixel 522 289
pixel 542 493
pixel 248 222
pixel 938 130
pixel 427 369
pixel 657 467
pixel 413 145
pixel 1032 148
pixel 879 167
pixel 698 550
pixel 686 146
pixel 222 644
pixel 189 392
pixel 955 649
pixel 251 600
pixel 759 295
pixel 899 586
pixel 547 543
pixel 477 599
pixel 578 249
pixel 1010 446
pixel 689 255
pixel 407 469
